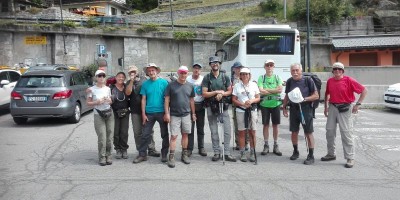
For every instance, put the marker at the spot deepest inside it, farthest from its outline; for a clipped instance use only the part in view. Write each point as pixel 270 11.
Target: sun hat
pixel 99 71
pixel 183 69
pixel 295 95
pixel 245 70
pixel 132 68
pixel 151 65
pixel 213 59
pixel 269 61
pixel 237 65
pixel 338 65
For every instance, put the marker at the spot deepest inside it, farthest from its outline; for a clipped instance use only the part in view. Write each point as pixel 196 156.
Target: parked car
pixel 52 93
pixel 392 96
pixel 8 79
pixel 44 67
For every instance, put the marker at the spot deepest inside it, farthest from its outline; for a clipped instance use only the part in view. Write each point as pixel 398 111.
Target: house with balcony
pixel 111 7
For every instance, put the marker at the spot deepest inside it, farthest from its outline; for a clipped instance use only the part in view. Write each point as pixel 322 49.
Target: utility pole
pixel 284 9
pixel 308 37
pixel 172 18
pixel 63 31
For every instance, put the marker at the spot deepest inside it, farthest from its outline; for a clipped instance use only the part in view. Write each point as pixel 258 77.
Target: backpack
pixel 317 82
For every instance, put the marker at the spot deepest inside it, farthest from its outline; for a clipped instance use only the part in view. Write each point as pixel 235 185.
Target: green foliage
pixel 184 35
pixel 69 23
pixel 89 70
pixel 228 32
pixel 142 5
pixel 110 28
pixel 91 23
pixel 148 28
pixel 271 6
pixel 37 2
pixel 322 12
pixel 34 10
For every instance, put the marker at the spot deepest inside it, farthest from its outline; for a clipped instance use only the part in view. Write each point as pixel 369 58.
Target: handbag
pixel 122 112
pixel 344 107
pixel 105 114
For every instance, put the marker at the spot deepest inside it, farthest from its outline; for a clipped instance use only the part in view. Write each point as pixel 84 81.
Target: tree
pixel 142 5
pixel 322 12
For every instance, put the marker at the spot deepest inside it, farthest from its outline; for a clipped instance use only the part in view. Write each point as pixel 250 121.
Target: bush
pixel 184 35
pixel 89 70
pixel 148 28
pixel 226 33
pixel 271 6
pixel 91 23
pixel 69 23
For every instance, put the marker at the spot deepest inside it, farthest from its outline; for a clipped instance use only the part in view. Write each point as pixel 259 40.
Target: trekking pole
pixel 221 124
pixel 253 138
pixel 304 123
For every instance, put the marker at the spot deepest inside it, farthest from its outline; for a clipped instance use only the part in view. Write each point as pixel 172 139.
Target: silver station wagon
pixel 48 94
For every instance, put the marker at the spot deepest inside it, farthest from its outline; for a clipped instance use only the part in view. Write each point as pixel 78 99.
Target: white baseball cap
pixel 99 71
pixel 269 61
pixel 245 70
pixel 295 95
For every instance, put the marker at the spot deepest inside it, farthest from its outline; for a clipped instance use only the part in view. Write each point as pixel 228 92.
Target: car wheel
pixel 77 114
pixel 20 120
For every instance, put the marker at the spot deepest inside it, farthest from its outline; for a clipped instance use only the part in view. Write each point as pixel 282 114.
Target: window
pixel 113 11
pixel 232 48
pixel 14 76
pixel 396 58
pixel 363 59
pixel 76 79
pixel 3 76
pixel 40 81
pixel 270 43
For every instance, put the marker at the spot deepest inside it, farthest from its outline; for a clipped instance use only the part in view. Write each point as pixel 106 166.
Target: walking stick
pixel 304 123
pixel 249 131
pixel 221 129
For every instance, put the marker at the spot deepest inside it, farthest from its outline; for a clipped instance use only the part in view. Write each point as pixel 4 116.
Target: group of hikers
pixel 180 107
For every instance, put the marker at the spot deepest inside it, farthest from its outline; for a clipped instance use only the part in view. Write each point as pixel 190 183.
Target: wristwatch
pixel 358 104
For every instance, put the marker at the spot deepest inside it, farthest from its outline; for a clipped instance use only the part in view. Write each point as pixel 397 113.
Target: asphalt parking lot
pixel 50 159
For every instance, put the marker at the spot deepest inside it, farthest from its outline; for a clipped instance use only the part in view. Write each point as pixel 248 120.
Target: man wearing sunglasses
pixel 339 97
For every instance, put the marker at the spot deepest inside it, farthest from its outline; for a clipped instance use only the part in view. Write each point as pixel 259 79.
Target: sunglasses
pixel 242 74
pixel 101 75
pixel 269 65
pixel 334 69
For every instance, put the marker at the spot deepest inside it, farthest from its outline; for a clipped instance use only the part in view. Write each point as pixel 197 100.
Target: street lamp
pixel 308 36
pixel 172 18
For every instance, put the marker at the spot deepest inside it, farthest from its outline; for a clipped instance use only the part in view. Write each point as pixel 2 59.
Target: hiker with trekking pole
pixel 217 90
pixel 245 96
pixel 300 93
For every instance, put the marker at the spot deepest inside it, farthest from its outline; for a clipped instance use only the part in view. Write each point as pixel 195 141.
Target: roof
pixel 366 42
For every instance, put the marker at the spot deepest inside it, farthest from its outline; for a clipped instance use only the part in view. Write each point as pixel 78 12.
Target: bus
pixel 254 44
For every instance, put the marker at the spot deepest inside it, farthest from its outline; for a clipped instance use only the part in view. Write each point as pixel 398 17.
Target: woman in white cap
pixel 246 95
pixel 99 96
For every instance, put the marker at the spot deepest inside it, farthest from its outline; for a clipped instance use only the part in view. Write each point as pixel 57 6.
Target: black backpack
pixel 318 84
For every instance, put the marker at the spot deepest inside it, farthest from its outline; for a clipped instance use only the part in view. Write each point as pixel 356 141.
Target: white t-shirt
pixel 197 88
pixel 240 90
pixel 98 93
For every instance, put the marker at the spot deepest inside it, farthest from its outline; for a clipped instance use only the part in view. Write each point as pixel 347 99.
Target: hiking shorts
pixel 273 113
pixel 295 118
pixel 241 120
pixel 180 125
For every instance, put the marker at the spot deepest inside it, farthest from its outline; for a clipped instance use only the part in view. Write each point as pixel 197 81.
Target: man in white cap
pixel 301 113
pixel 270 86
pixel 133 87
pixel 152 92
pixel 339 93
pixel 178 106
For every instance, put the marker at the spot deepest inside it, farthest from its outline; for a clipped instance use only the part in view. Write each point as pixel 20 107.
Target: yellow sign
pixel 35 40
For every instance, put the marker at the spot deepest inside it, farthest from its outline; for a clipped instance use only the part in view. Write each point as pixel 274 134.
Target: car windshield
pixel 40 81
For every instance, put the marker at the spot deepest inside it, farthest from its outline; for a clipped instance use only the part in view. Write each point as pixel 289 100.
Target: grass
pixel 242 14
pixel 187 4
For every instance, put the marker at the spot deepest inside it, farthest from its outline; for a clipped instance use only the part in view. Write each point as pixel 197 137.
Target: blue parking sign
pixel 101 49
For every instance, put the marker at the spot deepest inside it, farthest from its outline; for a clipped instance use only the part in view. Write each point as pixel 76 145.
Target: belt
pixel 272 98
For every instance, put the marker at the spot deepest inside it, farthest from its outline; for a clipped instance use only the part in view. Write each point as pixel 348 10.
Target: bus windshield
pixel 270 43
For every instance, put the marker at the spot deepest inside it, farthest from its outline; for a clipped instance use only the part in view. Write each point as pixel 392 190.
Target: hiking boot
pixel 102 161
pixel 153 153
pixel 189 153
pixel 237 148
pixel 309 160
pixel 328 157
pixel 265 150
pixel 185 157
pixel 276 150
pixel 243 156
pixel 109 160
pixel 202 152
pixel 216 157
pixel 139 159
pixel 350 163
pixel 171 161
pixel 125 154
pixel 295 155
pixel 230 158
pixel 246 148
pixel 118 155
pixel 252 157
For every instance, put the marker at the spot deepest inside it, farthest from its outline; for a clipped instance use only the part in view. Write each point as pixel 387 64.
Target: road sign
pixel 101 49
pixel 32 40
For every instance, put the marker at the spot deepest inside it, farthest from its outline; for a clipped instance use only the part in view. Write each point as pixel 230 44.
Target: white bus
pixel 254 44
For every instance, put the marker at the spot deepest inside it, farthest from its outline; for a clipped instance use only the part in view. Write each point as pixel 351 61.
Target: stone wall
pixel 6 50
pixel 136 52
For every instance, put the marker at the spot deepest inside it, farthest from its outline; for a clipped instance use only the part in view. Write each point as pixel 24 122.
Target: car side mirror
pixel 4 82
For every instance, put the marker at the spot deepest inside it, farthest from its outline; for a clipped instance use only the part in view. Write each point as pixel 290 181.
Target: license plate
pixel 37 99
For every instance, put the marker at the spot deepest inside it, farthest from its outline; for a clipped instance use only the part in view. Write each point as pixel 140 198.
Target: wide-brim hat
pixel 151 65
pixel 132 68
pixel 338 65
pixel 295 95
pixel 197 64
